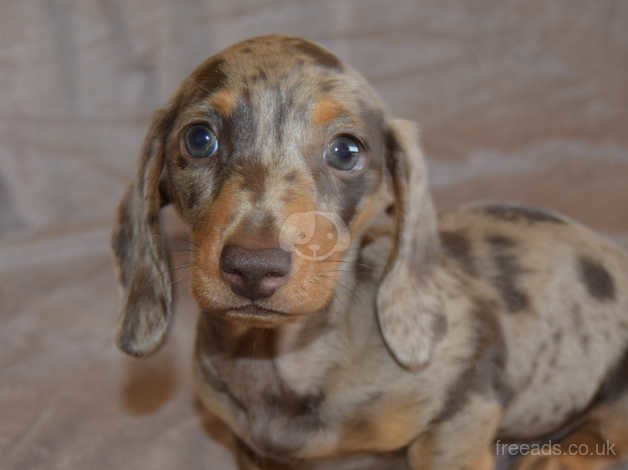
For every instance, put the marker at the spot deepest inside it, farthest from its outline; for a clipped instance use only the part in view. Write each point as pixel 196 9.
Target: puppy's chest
pixel 278 402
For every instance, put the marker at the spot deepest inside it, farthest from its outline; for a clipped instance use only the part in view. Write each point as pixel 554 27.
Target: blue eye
pixel 200 141
pixel 343 153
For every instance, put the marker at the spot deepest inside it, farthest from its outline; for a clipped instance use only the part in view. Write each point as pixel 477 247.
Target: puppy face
pixel 277 156
pixel 275 146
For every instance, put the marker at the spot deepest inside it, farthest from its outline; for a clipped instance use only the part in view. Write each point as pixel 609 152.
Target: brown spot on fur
pixel 290 177
pixel 327 85
pixel 289 195
pixel 182 162
pixel 191 198
pixel 485 371
pixel 597 279
pixel 379 428
pixel 351 192
pixel 321 56
pixel 616 383
pixel 255 174
pixel 508 272
pixel 500 241
pixel 512 213
pixel 208 77
pixel 326 111
pixel 458 246
pixel 122 239
pixel 224 102
pixel 153 220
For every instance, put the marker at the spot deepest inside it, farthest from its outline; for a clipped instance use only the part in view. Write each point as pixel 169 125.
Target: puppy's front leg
pixel 462 441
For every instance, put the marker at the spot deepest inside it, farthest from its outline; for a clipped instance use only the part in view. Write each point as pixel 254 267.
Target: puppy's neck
pixel 297 357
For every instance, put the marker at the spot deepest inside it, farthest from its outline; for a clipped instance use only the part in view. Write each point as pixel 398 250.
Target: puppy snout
pixel 255 274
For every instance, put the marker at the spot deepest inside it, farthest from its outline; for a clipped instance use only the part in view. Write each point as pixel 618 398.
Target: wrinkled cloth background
pixel 519 100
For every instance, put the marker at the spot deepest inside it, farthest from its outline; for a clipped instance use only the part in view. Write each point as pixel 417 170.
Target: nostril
pixel 232 270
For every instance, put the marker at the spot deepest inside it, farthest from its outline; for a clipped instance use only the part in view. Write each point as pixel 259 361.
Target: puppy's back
pixel 559 291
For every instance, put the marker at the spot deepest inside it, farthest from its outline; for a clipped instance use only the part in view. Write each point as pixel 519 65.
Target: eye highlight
pixel 200 141
pixel 343 153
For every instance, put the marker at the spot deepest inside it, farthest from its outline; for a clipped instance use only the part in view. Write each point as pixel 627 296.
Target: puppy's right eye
pixel 200 141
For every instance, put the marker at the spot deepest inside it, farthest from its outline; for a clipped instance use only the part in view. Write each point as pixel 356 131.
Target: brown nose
pixel 254 274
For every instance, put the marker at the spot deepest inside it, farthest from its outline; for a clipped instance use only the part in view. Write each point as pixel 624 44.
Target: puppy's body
pixel 329 386
pixel 428 338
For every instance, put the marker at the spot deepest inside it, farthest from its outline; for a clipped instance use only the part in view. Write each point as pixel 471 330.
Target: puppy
pixel 338 331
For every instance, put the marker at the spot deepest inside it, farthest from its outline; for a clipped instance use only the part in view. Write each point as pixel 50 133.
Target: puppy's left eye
pixel 343 153
pixel 200 141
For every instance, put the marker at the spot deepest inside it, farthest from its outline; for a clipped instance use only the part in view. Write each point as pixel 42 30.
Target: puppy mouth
pixel 255 315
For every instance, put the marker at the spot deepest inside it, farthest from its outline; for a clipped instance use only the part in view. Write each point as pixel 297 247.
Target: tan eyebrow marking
pixel 224 102
pixel 326 110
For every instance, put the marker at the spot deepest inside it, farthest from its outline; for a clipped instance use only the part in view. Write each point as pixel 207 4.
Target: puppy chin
pixel 258 317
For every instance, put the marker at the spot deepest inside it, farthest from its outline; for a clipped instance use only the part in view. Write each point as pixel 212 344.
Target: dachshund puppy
pixel 339 331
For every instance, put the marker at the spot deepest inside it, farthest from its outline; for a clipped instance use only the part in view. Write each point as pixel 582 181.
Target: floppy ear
pixel 140 256
pixel 408 303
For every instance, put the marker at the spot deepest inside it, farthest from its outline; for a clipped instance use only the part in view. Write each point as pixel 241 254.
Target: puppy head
pixel 277 156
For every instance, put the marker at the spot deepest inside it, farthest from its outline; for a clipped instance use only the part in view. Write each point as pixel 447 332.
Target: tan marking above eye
pixel 326 110
pixel 224 102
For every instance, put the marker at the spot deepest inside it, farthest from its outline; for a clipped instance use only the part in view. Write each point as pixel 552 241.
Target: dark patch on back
pixel 616 384
pixel 485 372
pixel 508 273
pixel 458 246
pixel 597 279
pixel 521 214
pixel 500 241
pixel 321 56
pixel 579 327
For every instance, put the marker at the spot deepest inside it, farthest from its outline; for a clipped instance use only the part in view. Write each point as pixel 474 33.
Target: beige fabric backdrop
pixel 523 100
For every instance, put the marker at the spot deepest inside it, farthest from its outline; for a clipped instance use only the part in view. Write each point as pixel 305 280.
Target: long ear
pixel 408 303
pixel 140 256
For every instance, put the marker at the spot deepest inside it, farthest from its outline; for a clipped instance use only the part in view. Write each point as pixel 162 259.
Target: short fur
pixel 427 339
